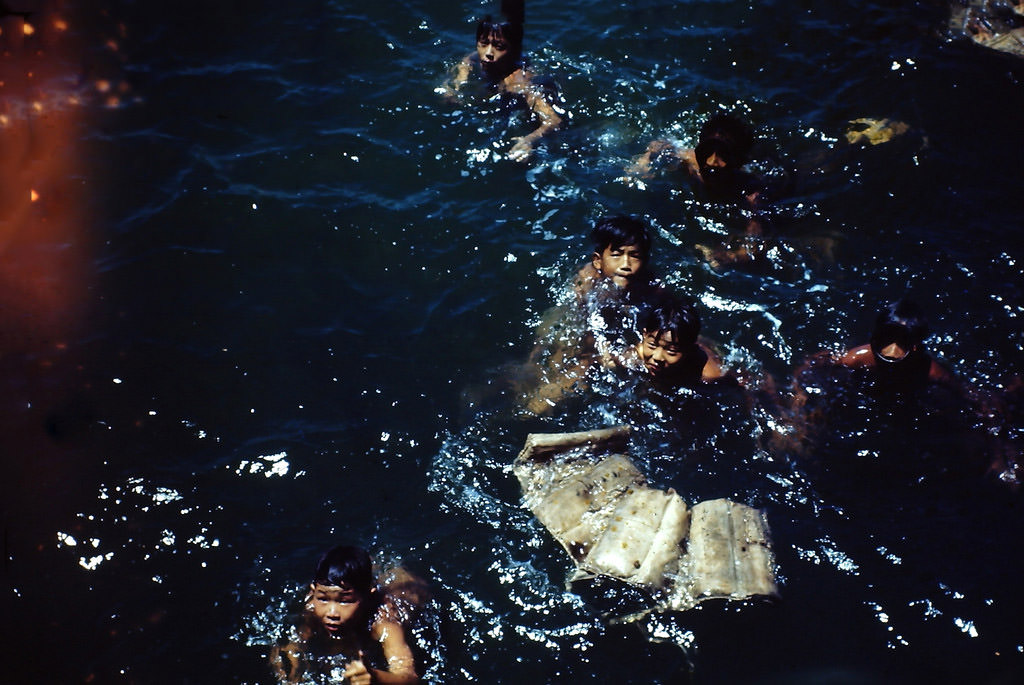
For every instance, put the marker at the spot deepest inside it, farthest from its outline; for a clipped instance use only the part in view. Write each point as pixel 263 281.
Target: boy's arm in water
pixel 401 665
pixel 285 661
pixel 716 370
pixel 521 83
pixel 854 358
pixel 753 200
pixel 794 419
pixel 459 75
pixel 568 373
pixel 660 153
pixel 749 247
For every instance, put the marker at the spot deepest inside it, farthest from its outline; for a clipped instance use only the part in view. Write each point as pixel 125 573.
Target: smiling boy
pixel 669 349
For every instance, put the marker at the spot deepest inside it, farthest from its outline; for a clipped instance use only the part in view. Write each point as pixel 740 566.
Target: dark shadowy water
pixel 272 280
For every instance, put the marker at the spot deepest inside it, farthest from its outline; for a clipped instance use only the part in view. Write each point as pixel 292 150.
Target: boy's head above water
pixel 669 332
pixel 900 330
pixel 499 45
pixel 622 246
pixel 342 589
pixel 725 142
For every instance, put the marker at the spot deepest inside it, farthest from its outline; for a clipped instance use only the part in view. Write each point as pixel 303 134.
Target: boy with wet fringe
pixel 350 628
pixel 498 59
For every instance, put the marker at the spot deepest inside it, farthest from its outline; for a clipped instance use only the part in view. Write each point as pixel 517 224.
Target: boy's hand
pixel 357 673
pixel 522 149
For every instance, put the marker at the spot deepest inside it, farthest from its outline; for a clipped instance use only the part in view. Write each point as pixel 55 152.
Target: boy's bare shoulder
pixel 402 583
pixel 403 593
pixel 857 357
pixel 518 81
pixel 587 271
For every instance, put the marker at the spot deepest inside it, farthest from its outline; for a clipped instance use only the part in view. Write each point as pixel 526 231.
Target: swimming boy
pixel 910 388
pixel 622 248
pixel 669 349
pixel 716 166
pixel 609 288
pixel 896 354
pixel 894 360
pixel 349 628
pixel 499 59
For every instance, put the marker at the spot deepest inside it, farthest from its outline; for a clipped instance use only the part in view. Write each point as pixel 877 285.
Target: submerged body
pixel 994 25
pixel 715 167
pixel 927 424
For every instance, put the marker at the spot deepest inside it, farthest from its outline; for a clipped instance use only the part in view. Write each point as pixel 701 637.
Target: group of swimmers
pixel 641 325
pixel 717 168
pixel 353 621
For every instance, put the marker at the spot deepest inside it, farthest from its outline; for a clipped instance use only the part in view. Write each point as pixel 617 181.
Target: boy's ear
pixel 595 259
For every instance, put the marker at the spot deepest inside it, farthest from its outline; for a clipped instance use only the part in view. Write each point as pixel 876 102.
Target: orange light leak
pixel 44 248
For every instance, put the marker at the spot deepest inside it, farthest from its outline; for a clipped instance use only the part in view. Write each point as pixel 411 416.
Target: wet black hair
pixel 902 323
pixel 510 30
pixel 619 231
pixel 345 565
pixel 672 316
pixel 728 136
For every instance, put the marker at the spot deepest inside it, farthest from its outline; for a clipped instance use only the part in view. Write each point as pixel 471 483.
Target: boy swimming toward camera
pixel 717 168
pixel 622 251
pixel 670 351
pixel 498 59
pixel 898 379
pixel 609 290
pixel 350 628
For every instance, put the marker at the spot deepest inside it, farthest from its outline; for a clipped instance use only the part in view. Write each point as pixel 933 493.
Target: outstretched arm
pixel 459 75
pixel 548 119
pixel 658 153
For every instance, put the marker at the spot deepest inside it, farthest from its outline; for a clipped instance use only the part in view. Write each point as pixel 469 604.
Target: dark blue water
pixel 270 295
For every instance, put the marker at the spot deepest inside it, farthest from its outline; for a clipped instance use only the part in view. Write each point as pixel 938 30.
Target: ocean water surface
pixel 264 291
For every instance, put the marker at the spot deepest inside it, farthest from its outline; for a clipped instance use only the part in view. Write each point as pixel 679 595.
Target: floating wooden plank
pixel 599 507
pixel 728 555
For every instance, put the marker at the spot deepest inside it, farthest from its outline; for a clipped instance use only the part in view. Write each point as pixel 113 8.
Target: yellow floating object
pixel 874 131
pixel 599 507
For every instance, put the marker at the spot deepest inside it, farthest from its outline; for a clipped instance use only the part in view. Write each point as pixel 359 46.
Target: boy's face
pixel 336 606
pixel 621 263
pixel 659 352
pixel 491 49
